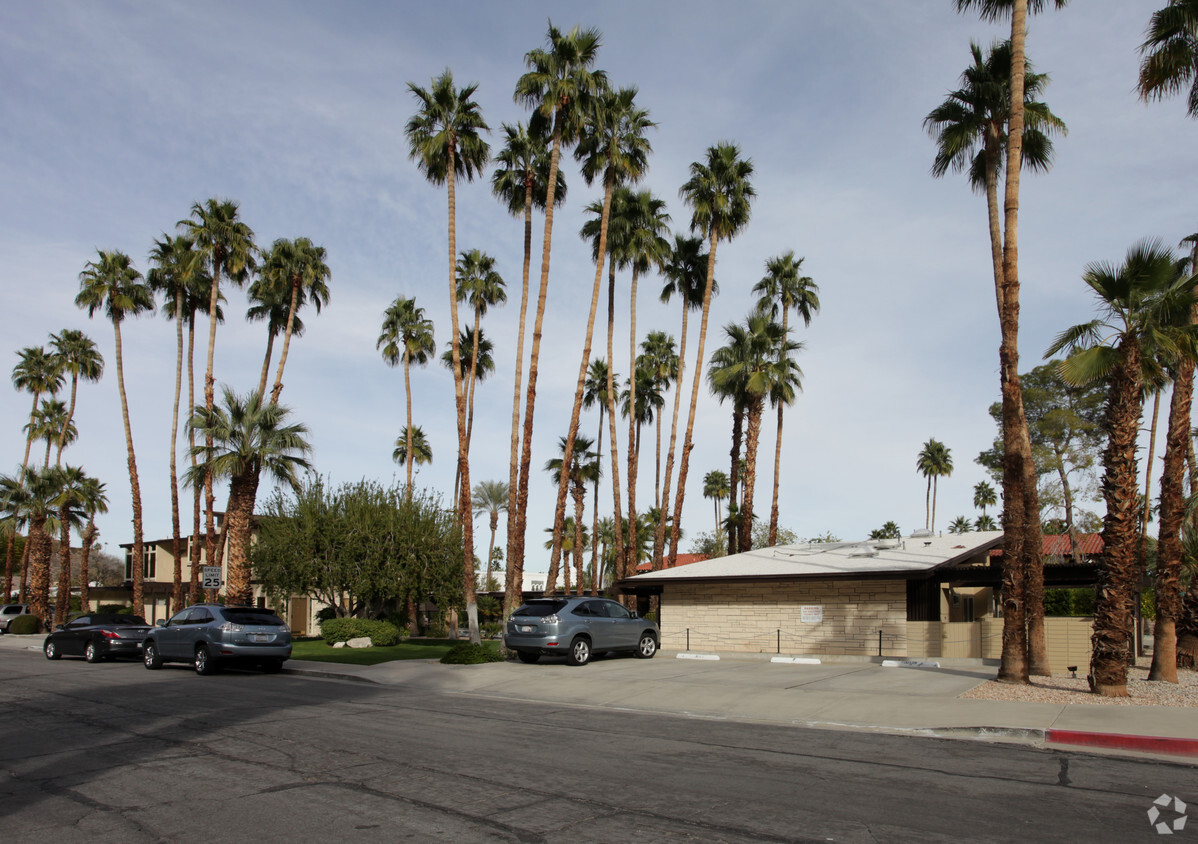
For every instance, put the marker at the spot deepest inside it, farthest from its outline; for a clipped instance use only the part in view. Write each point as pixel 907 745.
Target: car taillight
pixel 550 619
pixel 283 628
pixel 110 634
pixel 230 627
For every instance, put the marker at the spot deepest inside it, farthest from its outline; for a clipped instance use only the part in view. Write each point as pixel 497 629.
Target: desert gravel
pixel 1063 689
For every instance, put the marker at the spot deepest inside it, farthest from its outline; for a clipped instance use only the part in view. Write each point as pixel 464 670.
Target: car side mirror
pixel 60 627
pixel 160 622
pixel 634 615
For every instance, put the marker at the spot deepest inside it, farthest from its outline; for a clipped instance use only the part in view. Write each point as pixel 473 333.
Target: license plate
pixel 526 628
pixel 259 637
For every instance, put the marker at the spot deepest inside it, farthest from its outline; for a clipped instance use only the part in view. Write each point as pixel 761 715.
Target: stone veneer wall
pixel 747 616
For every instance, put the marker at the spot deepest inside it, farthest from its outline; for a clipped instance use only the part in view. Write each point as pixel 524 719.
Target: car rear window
pixel 540 609
pixel 251 616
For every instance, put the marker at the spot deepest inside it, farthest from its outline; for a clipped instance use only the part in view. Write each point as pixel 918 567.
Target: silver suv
pixel 10 611
pixel 578 628
pixel 210 635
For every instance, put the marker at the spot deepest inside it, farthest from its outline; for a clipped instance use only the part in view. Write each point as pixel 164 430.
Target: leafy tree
pixel 407 338
pixel 935 460
pixel 783 536
pixel 359 547
pixel 1170 54
pixel 112 285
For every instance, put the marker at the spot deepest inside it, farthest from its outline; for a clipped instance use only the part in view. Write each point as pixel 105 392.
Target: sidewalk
pixel 745 687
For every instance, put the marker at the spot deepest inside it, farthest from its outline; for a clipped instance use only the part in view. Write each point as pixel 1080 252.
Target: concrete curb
pixel 1122 741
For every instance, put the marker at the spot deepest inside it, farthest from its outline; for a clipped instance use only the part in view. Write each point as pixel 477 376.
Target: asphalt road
pixel 115 753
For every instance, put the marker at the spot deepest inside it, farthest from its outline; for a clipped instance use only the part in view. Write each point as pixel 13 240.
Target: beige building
pixel 922 596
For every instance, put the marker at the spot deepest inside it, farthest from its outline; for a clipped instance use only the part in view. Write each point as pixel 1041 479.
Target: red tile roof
pixel 680 560
pixel 1054 545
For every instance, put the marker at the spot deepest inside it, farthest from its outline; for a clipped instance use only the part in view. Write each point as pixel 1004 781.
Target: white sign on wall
pixel 811 613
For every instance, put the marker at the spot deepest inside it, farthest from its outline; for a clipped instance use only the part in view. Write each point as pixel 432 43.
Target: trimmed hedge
pixel 23 625
pixel 469 653
pixel 381 633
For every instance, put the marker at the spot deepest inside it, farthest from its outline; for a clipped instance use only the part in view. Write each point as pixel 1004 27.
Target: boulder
pixel 359 642
pixel 339 644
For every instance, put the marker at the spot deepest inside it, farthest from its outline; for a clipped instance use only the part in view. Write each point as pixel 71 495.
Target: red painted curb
pixel 1150 744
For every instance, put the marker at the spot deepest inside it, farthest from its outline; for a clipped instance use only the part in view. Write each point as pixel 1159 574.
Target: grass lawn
pixel 318 650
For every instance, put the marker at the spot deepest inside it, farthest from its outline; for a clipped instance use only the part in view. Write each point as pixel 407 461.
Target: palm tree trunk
pixel 559 514
pixel 935 491
pixel 176 539
pixel 243 490
pixel 66 423
pixel 193 543
pixel 409 457
pixel 579 492
pixel 8 555
pixel 270 349
pixel 617 509
pixel 29 439
pixel 595 504
pixel 473 379
pixel 464 509
pixel 39 543
pixel 657 465
pixel 514 567
pixel 521 517
pixel 1156 412
pixel 278 387
pixel 1120 571
pixel 24 597
pixel 633 431
pixel 134 484
pixel 62 604
pixel 85 552
pixel 1168 567
pixel 753 435
pixel 210 551
pixel 659 533
pixel 777 468
pixel 738 419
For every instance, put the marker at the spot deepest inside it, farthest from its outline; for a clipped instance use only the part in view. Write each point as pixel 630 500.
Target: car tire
pixel 527 657
pixel 204 664
pixel 91 654
pixel 647 646
pixel 271 666
pixel 150 657
pixel 580 651
pixel 51 650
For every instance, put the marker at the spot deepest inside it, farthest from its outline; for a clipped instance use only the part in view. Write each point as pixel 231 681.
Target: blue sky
pixel 118 116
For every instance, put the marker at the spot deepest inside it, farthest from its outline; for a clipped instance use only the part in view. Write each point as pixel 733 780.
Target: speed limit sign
pixel 211 577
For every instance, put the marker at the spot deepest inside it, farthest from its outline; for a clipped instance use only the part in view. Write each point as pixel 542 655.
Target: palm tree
pixel 558 85
pixel 490 497
pixel 407 338
pixel 686 277
pixel 890 530
pixel 31 498
pixel 248 438
pixel 659 355
pixel 1145 304
pixel 445 142
pixel 756 363
pixel 1024 650
pixel 605 536
pixel 72 488
pixel 574 538
pixel 174 274
pixel 227 245
pixel 272 306
pixel 582 467
pixel 49 424
pixel 521 181
pixel 297 272
pixel 422 451
pixel 961 524
pixel 112 285
pixel 935 461
pixel 483 287
pixel 719 193
pixel 81 360
pixel 595 395
pixel 648 406
pixel 37 372
pixel 95 502
pixel 1170 54
pixel 984 496
pixel 984 522
pixel 715 486
pixel 780 291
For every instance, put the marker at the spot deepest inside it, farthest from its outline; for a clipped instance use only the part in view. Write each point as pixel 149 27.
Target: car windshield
pixel 251 616
pixel 540 609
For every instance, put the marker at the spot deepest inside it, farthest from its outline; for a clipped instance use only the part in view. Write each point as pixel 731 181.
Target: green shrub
pixel 325 613
pixel 469 653
pixel 491 629
pixel 23 625
pixel 381 633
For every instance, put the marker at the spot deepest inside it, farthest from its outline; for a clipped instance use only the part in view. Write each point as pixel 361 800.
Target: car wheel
pixel 272 666
pixel 91 654
pixel 150 657
pixel 580 651
pixel 204 663
pixel 51 650
pixel 647 646
pixel 528 657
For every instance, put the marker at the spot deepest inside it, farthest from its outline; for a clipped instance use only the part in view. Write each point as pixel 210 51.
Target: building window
pixel 148 553
pixel 538 586
pixel 967 609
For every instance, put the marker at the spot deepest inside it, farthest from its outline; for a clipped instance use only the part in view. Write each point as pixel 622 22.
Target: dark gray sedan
pixel 578 628
pixel 211 635
pixel 97 637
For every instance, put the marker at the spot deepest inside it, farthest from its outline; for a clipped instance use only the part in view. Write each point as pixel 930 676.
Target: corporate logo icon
pixel 1167 815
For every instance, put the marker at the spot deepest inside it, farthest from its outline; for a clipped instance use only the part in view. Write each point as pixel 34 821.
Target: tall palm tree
pixel 297 271
pixel 407 338
pixel 647 407
pixel 659 356
pixel 780 291
pixel 715 487
pixel 558 86
pixel 935 460
pixel 445 141
pixel 95 502
pixel 227 246
pixel 984 496
pixel 31 498
pixel 686 277
pixel 1145 302
pixel 595 395
pixel 490 497
pixel 581 466
pixel 482 287
pixel 484 367
pixel 82 361
pixel 72 490
pixel 719 192
pixel 112 285
pixel 248 438
pixel 521 181
pixel 961 524
pixel 613 147
pixel 175 268
pixel 37 372
pixel 984 522
pixel 272 306
pixel 757 360
pixel 1024 650
pixel 605 536
pixel 49 424
pixel 1170 54
pixel 422 451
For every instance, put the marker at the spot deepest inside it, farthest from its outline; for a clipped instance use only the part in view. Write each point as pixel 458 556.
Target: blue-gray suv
pixel 211 635
pixel 578 628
